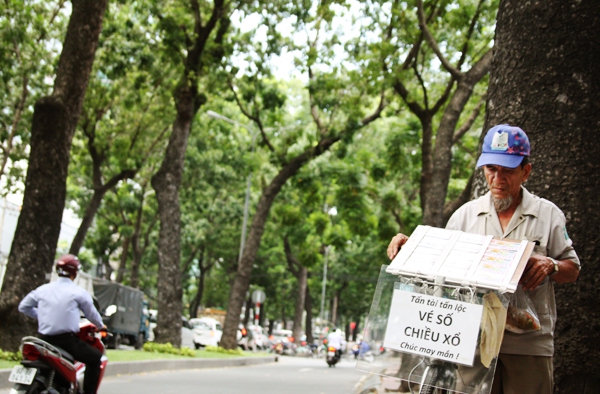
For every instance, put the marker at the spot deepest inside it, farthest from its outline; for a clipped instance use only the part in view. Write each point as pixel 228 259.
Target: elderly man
pixel 508 210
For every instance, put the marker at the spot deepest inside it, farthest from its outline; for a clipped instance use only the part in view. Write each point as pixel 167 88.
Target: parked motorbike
pixel 333 356
pixel 49 369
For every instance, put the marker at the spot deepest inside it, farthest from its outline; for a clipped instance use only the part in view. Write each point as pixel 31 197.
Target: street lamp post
pixel 246 203
pixel 324 286
pixel 331 212
pixel 215 115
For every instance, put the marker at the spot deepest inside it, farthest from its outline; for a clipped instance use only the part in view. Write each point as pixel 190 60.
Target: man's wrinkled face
pixel 505 183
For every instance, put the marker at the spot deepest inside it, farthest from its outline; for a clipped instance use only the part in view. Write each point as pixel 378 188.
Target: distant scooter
pixel 51 370
pixel 333 356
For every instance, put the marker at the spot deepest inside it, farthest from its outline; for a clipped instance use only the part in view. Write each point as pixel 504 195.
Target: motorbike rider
pixel 336 340
pixel 57 306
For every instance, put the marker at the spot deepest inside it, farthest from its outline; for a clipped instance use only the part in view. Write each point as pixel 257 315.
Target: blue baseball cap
pixel 504 146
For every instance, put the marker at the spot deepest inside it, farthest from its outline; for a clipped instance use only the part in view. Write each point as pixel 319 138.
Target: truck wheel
pixel 140 341
pixel 115 341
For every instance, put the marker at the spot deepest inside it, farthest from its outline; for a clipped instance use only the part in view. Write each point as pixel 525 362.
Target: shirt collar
pixel 527 205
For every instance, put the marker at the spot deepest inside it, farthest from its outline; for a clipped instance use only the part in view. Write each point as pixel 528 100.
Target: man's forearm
pixel 568 272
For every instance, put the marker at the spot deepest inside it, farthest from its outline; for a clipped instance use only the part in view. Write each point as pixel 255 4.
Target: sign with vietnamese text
pixel 434 327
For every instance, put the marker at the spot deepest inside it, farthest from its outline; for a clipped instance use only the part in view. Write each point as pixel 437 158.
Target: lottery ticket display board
pixel 431 304
pixel 463 258
pixel 409 329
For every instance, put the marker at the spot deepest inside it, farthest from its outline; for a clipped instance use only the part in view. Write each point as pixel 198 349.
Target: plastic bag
pixel 521 315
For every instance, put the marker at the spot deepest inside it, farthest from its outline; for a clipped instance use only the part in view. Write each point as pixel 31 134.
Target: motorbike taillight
pixel 331 349
pixel 30 352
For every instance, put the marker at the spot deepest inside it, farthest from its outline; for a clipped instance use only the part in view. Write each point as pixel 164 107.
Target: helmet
pixel 67 265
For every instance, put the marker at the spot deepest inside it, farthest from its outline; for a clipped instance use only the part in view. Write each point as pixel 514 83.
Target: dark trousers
pixel 82 352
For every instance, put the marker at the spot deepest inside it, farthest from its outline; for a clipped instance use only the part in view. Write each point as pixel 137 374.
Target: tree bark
pixel 123 260
pixel 204 270
pixel 247 317
pixel 334 308
pixel 166 183
pixel 544 78
pixel 54 122
pixel 309 316
pixel 301 274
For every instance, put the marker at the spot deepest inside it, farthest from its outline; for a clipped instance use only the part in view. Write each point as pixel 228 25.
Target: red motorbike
pixel 50 369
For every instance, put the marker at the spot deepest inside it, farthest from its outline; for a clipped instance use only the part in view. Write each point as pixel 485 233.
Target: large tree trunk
pixel 302 280
pixel 545 79
pixel 204 270
pixel 167 180
pixel 334 309
pixel 166 183
pixel 301 274
pixel 198 297
pixel 54 121
pixel 309 316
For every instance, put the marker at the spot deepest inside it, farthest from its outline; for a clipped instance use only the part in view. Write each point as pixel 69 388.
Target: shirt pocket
pixel 541 244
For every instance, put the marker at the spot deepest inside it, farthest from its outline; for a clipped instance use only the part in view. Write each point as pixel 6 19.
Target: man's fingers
pixel 395 245
pixel 535 273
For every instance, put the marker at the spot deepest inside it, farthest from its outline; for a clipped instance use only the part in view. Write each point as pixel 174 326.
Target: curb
pixel 129 368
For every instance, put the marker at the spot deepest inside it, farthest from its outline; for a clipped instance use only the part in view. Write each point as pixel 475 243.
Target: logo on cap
pixel 500 142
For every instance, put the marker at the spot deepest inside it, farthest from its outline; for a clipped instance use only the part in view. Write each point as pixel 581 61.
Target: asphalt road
pixel 290 375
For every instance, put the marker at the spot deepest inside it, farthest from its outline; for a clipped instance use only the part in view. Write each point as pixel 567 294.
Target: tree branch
pixel 467 125
pixel 377 113
pixel 292 261
pixel 313 107
pixel 188 261
pixel 451 206
pixel 253 118
pixel 433 44
pixel 444 97
pixel 469 34
pixel 422 83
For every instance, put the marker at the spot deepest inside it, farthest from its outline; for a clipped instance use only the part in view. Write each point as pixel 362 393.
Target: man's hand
pixel 395 245
pixel 537 269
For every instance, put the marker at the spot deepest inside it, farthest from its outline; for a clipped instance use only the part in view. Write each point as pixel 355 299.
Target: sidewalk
pixel 128 368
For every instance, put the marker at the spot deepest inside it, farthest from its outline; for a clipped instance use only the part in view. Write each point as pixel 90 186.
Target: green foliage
pixel 168 348
pixel 371 175
pixel 10 356
pixel 29 31
pixel 235 352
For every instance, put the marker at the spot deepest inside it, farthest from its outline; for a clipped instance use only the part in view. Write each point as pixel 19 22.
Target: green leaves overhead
pixel 30 42
pixel 357 80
